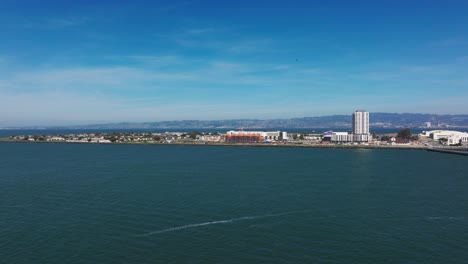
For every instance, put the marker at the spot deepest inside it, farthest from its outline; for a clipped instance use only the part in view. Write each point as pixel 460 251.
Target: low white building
pixel 341 137
pixel 452 137
pixel 255 136
pixel 284 135
pixel 398 141
pixel 347 137
pixel 56 139
pixel 210 138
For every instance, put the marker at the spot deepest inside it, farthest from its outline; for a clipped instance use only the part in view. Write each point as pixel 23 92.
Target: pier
pixel 463 152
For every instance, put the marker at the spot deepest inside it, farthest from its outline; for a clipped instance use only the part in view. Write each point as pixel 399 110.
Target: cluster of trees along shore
pixel 193 135
pixel 404 134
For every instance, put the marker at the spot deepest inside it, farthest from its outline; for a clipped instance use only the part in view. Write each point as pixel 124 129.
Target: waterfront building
pixel 210 138
pixel 254 136
pixel 360 133
pixel 346 137
pixel 399 141
pixel 341 137
pixel 451 137
pixel 360 122
pixel 362 137
pixel 327 136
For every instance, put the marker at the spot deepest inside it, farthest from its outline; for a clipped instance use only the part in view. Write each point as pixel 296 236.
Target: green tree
pixel 404 133
pixel 384 138
pixel 194 134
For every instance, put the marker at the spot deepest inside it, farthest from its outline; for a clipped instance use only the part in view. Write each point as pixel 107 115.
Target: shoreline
pixel 324 146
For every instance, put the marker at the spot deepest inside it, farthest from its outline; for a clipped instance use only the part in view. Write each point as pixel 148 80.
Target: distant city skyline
pixel 80 62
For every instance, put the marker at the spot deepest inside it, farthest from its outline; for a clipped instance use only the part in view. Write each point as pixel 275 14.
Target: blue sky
pixel 78 62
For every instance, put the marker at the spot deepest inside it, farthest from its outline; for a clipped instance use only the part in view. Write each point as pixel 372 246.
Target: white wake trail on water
pixel 227 221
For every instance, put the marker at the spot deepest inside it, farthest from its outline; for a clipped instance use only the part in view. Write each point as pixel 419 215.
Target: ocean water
pixel 67 203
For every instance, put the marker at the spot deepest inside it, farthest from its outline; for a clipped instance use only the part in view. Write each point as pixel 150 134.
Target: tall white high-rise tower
pixel 360 122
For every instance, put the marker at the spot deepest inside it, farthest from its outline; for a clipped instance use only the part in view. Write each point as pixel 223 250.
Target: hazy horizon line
pixel 201 120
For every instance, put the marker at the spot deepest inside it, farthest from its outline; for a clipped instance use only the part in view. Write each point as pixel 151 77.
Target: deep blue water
pixel 66 203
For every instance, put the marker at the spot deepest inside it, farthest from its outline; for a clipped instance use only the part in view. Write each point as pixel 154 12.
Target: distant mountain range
pixel 378 120
pixel 390 120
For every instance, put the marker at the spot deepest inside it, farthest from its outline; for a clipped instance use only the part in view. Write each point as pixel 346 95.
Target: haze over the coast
pixel 81 62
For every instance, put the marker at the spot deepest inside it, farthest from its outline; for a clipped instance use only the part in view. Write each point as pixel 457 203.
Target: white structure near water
pixel 452 137
pixel 360 129
pixel 346 137
pixel 360 122
pixel 255 136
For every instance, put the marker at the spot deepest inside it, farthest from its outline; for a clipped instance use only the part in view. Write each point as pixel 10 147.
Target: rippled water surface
pixel 65 203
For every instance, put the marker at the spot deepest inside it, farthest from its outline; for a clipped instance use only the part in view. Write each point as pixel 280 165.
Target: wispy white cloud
pixel 249 46
pixel 57 23
pixel 452 71
pixel 3 59
pixel 228 46
pixel 7 60
pixel 193 43
pixel 197 31
pixel 218 38
pixel 66 108
pixel 229 67
pixel 63 108
pixel 101 78
pixel 427 69
pixel 107 94
pixel 170 71
pixel 455 42
pixel 377 76
pixel 152 60
pixel 173 6
pixel 282 67
pixel 153 89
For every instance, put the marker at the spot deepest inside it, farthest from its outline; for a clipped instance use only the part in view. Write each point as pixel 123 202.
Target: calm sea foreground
pixel 65 203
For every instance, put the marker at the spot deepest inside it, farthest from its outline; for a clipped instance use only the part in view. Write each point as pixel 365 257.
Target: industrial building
pixel 254 136
pixel 452 137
